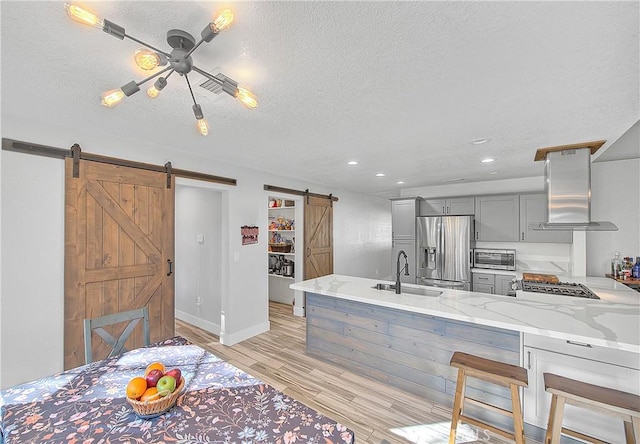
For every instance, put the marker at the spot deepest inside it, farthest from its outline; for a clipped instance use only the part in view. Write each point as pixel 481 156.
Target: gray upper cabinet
pixel 432 207
pixel 403 218
pixel 498 218
pixel 461 206
pixel 533 210
pixel 455 206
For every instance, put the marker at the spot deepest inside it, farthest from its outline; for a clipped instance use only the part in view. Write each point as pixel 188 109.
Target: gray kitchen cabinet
pixel 492 283
pixel 409 247
pixel 498 218
pixel 503 283
pixel 533 210
pixel 484 283
pixel 455 206
pixel 403 218
pixel 484 288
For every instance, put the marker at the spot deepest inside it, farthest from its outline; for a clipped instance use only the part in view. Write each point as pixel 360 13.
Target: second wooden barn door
pixel 119 246
pixel 318 237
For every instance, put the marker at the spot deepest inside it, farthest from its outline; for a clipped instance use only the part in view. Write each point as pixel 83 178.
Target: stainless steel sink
pixel 408 290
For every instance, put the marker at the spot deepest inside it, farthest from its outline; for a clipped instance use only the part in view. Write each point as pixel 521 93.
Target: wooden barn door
pixel 318 237
pixel 119 245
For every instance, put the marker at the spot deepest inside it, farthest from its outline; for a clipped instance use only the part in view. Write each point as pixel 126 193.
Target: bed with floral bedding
pixel 219 404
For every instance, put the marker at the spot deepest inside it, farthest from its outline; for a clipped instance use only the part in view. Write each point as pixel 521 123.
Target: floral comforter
pixel 219 404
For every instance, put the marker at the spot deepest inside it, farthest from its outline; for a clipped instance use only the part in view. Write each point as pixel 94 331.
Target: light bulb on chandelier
pixel 154 90
pixel 149 60
pixel 179 60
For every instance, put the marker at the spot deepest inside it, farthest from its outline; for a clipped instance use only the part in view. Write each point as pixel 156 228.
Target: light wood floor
pixel 377 413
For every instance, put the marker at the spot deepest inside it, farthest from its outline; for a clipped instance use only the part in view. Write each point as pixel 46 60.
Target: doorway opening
pixel 198 251
pixel 285 250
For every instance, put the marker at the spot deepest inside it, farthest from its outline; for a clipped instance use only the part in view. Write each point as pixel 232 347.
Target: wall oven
pixel 494 259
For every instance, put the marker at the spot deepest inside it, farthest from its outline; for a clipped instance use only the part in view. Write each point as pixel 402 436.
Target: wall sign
pixel 249 234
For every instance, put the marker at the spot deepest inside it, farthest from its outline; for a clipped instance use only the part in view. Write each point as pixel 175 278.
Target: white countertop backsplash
pixel 612 321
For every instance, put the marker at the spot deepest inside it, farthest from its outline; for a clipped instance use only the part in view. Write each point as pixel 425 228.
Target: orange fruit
pixel 158 365
pixel 150 394
pixel 136 387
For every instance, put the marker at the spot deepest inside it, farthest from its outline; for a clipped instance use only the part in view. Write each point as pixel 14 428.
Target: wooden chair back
pixel 117 346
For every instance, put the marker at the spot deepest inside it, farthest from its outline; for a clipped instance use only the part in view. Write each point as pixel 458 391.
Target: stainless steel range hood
pixel 568 185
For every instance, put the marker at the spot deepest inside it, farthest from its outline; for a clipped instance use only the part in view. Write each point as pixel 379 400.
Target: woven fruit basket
pixel 280 248
pixel 151 409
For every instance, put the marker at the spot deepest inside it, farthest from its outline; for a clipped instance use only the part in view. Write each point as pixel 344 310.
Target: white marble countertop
pixel 612 321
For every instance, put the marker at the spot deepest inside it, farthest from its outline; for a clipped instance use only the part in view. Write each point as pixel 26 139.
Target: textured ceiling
pixel 401 87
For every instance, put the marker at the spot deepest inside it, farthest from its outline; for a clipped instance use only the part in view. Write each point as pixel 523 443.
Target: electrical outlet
pixel 198 301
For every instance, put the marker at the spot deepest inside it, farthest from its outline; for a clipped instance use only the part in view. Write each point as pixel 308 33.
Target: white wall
pixel 198 235
pixel 244 279
pixel 31 306
pixel 615 196
pixel 362 241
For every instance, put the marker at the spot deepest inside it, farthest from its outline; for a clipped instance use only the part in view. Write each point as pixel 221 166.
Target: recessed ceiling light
pixel 458 179
pixel 493 172
pixel 479 141
pixel 488 160
pixel 352 162
pixel 380 175
pixel 400 182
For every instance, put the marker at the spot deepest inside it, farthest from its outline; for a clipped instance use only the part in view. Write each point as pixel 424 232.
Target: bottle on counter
pixel 616 266
pixel 627 268
pixel 636 268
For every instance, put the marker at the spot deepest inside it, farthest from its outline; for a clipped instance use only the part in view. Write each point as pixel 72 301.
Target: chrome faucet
pixel 406 269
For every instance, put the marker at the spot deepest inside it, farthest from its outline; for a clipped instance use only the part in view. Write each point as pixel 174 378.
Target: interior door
pixel 318 237
pixel 119 247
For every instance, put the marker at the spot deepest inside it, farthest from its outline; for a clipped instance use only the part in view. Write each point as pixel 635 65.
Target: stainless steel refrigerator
pixel 444 250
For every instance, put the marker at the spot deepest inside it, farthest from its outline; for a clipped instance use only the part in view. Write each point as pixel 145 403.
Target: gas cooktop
pixel 559 288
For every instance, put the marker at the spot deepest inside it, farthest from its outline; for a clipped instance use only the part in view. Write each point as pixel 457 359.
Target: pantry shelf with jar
pixel 283 268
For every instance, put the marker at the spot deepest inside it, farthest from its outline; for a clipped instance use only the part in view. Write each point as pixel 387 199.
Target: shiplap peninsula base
pixel 410 351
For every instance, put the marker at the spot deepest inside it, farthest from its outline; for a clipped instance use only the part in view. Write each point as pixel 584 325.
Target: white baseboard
pixel 298 311
pixel 234 338
pixel 199 322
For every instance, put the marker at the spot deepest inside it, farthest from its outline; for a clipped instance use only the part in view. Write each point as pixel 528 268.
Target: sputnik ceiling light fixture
pixel 179 60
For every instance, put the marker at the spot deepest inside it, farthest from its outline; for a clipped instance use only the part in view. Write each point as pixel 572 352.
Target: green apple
pixel 166 385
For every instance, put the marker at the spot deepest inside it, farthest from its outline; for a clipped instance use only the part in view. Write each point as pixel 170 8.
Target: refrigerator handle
pixel 430 257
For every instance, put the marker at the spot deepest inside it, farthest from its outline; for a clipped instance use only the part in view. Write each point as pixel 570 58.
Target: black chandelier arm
pixel 190 90
pixel 118 31
pixel 229 85
pixel 207 75
pixel 155 75
pixel 166 54
pixel 194 48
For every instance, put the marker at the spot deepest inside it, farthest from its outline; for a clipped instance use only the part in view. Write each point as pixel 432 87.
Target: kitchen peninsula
pixel 406 340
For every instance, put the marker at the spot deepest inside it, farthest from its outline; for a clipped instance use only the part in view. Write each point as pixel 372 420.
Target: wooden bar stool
pixel 496 372
pixel 623 405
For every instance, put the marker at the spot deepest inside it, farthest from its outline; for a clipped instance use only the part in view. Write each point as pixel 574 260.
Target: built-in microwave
pixel 494 259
